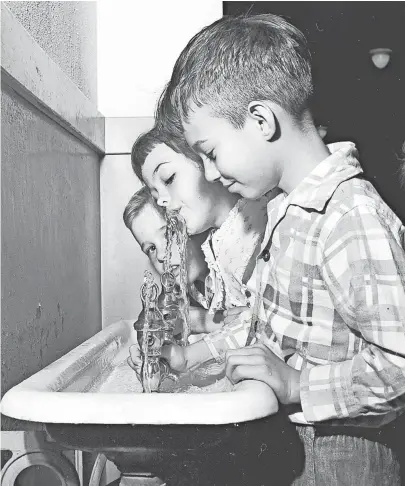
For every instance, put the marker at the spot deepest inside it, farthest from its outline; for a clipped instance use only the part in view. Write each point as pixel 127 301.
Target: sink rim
pixel 37 398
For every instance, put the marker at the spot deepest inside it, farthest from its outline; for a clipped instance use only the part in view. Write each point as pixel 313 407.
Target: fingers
pixel 135 353
pixel 249 372
pixel 132 365
pixel 234 361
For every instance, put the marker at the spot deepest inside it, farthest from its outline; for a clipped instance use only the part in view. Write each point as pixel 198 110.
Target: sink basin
pixel 200 427
pixel 93 384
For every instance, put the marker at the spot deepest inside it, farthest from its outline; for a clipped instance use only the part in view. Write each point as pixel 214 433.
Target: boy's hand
pixel 257 362
pixel 175 356
pixel 234 313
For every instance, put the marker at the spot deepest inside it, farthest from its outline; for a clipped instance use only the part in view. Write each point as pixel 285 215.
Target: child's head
pixel 175 177
pixel 239 84
pixel 147 223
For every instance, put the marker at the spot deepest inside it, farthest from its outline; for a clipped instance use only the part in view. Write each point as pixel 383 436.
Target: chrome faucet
pixel 154 368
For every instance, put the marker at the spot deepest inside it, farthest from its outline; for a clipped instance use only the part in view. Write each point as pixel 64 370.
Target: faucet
pixel 154 368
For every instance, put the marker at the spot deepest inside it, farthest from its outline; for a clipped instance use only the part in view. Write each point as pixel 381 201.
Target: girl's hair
pixel 146 142
pixel 137 202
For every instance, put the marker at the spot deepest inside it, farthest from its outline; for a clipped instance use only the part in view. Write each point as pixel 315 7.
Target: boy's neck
pixel 304 151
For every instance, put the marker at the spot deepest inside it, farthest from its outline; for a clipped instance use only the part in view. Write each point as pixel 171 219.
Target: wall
pixel 50 185
pixel 138 44
pixel 67 32
pixel 123 263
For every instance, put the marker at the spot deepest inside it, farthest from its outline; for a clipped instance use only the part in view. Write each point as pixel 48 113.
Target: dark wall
pixel 353 98
pixel 50 215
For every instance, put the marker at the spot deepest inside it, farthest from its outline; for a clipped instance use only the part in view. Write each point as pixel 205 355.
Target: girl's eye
pixel 150 249
pixel 168 181
pixel 210 155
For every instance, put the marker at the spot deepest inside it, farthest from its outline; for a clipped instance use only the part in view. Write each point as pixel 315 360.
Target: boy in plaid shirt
pixel 330 312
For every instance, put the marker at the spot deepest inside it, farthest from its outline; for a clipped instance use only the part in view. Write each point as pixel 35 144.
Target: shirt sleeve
pixel 232 336
pixel 364 270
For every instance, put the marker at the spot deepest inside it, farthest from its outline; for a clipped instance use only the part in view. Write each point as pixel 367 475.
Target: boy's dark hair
pixel 137 202
pixel 241 59
pixel 146 142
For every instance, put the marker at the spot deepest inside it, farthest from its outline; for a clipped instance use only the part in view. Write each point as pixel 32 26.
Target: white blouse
pixel 230 253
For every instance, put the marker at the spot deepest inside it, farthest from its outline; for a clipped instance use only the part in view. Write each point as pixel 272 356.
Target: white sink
pixel 93 384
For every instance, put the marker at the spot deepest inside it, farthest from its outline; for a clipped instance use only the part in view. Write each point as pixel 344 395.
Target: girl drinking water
pixel 175 178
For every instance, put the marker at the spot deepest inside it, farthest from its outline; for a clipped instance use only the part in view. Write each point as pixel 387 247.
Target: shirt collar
pixel 317 188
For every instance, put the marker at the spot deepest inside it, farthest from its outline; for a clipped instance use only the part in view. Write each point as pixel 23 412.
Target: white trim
pixel 28 70
pixel 86 368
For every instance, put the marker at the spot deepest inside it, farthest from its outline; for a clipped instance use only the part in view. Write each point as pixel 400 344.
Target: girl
pixel 174 175
pixel 146 221
pixel 176 180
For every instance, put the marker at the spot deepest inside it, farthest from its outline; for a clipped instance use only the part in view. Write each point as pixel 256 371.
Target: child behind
pixel 146 221
pixel 331 272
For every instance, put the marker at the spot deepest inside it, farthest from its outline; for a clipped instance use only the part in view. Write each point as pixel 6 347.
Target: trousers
pixel 343 460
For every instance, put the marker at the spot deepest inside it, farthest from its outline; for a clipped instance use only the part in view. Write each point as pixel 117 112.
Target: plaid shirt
pixel 331 275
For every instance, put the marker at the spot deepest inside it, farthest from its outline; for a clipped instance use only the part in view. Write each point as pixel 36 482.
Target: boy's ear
pixel 261 113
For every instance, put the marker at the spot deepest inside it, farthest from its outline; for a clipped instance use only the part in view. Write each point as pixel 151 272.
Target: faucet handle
pixel 152 291
pixel 168 281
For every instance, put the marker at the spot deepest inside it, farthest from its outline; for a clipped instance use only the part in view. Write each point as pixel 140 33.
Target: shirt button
pixel 266 255
pixel 247 293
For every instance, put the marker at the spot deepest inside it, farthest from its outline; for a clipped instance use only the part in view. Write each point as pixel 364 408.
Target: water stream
pixel 176 230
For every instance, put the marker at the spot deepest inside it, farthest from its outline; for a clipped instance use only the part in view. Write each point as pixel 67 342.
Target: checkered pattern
pixel 331 297
pixel 231 336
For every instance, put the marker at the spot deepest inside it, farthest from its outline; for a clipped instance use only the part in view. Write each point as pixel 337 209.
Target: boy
pixel 331 273
pixel 146 220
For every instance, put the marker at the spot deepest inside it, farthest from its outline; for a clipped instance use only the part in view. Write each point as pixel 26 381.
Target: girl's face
pixel 177 183
pixel 149 230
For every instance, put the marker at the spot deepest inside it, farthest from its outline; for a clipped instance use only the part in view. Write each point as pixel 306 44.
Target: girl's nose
pixel 163 200
pixel 210 170
pixel 160 254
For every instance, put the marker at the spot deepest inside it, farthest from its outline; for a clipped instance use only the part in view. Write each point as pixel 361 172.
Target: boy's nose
pixel 211 172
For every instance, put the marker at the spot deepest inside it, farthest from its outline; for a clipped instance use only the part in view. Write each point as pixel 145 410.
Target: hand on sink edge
pixel 258 362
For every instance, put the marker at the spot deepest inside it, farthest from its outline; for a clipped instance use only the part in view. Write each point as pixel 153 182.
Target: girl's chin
pixel 196 230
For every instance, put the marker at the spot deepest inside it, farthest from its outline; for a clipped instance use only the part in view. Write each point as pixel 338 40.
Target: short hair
pixel 146 142
pixel 138 201
pixel 241 59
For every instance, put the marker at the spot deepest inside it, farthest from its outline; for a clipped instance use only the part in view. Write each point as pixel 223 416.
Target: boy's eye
pixel 169 180
pixel 150 249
